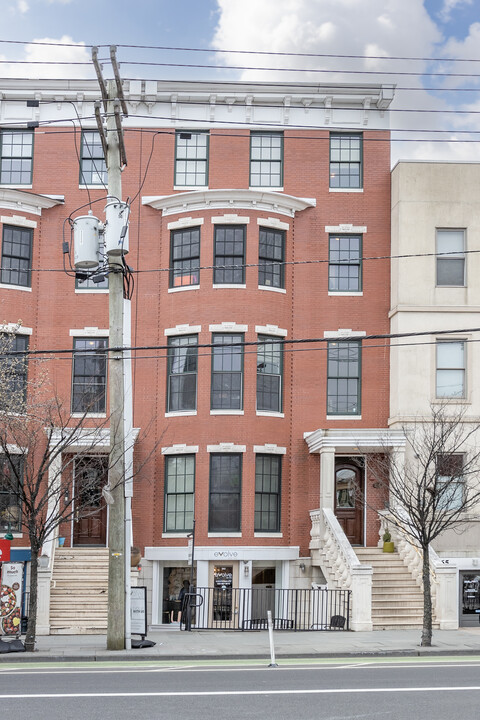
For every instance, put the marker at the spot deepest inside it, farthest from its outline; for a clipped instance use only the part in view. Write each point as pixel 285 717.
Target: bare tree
pixel 40 444
pixel 435 487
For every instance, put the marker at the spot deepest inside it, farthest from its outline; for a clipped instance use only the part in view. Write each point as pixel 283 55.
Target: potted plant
pixel 388 544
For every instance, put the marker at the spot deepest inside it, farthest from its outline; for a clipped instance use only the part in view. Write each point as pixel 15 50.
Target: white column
pixel 361 587
pixel 327 478
pixel 446 597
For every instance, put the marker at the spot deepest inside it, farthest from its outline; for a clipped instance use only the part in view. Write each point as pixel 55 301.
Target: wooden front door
pixel 349 499
pixel 90 519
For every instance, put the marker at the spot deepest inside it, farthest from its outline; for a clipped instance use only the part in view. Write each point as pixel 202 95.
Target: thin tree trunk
pixel 32 609
pixel 427 601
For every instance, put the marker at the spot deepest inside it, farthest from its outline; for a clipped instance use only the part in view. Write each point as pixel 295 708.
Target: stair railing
pixel 443 575
pixel 341 566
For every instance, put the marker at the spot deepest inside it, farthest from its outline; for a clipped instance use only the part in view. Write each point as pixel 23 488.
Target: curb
pixel 119 656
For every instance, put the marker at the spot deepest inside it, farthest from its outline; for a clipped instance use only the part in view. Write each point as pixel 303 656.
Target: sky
pixel 438 91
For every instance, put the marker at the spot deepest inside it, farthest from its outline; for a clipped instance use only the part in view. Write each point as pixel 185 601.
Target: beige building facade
pixel 435 291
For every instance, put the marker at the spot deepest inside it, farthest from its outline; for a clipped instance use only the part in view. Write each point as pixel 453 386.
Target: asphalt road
pixel 397 689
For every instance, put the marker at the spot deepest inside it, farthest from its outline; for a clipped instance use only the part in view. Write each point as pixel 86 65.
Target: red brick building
pixel 251 210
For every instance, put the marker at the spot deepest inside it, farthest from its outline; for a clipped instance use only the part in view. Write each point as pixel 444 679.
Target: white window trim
pixel 89 332
pixel 7 286
pixel 267 413
pixel 88 414
pixel 18 220
pixel 344 417
pixel 227 412
pixel 271 330
pixel 273 223
pixel 180 413
pixel 184 287
pixel 268 535
pixel 185 223
pixel 183 330
pixel 267 188
pixel 346 190
pixel 226 448
pixel 231 286
pixel 228 327
pixel 346 228
pixel 180 449
pixel 16 329
pixel 190 187
pixel 272 289
pixel 344 333
pixel 230 219
pixel 343 293
pixel 269 449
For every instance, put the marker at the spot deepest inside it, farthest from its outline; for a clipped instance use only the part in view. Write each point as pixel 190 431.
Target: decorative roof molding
pixel 375 440
pixel 27 202
pixel 196 200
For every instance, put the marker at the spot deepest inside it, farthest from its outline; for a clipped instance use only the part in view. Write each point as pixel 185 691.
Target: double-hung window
pixel 346 150
pixel 229 258
pixel 185 257
pixel 191 159
pixel 451 258
pixel 16 157
pixel 179 492
pixel 16 255
pixel 344 375
pixel 269 374
pixel 345 263
pixel 271 256
pixel 450 382
pixel 266 159
pixel 449 481
pixel 182 373
pixel 227 371
pixel 267 493
pixel 225 492
pixel 93 167
pixel 89 375
pixel 13 372
pixel 11 479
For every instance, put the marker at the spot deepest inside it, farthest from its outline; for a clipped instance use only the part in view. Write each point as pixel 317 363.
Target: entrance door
pixel 469 598
pixel 348 499
pixel 90 520
pixel 224 595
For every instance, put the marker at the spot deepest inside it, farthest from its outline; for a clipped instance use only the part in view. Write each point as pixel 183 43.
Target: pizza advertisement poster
pixel 11 598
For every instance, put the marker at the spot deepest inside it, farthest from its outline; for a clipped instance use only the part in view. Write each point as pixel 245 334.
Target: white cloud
pixel 22 6
pixel 376 29
pixel 62 50
pixel 450 5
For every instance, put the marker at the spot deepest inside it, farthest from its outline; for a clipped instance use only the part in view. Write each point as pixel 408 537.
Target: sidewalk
pixel 173 644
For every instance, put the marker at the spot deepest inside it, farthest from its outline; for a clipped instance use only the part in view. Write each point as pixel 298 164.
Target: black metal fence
pixel 246 609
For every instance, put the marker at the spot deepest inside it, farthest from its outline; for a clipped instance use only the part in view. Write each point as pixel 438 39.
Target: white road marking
pixel 226 693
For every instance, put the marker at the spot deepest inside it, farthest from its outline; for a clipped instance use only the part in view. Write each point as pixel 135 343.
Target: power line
pixel 247 343
pixel 239 52
pixel 276 263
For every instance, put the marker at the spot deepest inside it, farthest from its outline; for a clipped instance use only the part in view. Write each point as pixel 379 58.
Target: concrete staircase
pixel 397 600
pixel 79 592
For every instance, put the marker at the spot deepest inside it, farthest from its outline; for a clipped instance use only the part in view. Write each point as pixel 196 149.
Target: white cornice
pixel 260 200
pixel 28 202
pixel 355 440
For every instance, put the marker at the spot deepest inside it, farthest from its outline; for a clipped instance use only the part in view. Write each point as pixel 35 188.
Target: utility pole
pixel 116 479
pixel 119 371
